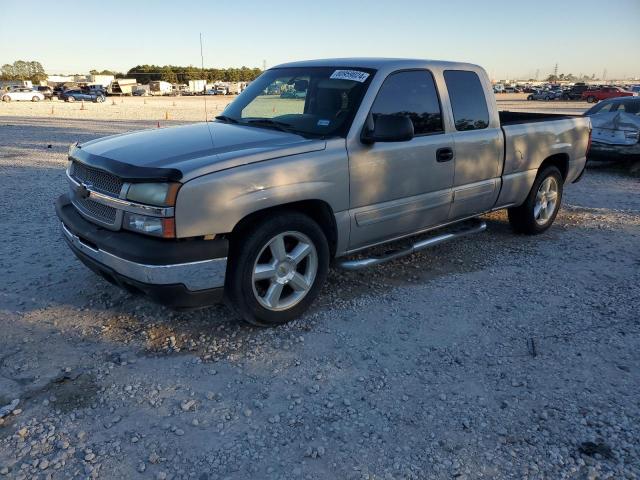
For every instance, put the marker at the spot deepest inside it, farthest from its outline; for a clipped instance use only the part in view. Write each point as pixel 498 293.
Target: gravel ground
pixel 495 356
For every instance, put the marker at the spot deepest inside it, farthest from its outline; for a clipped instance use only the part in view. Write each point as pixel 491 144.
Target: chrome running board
pixel 477 227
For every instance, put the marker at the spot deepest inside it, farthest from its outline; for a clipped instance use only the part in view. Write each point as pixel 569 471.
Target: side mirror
pixel 387 128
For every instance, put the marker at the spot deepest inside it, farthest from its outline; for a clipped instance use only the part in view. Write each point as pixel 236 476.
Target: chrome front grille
pixel 99 179
pixel 97 211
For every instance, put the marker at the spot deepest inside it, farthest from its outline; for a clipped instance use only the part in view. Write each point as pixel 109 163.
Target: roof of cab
pixel 377 63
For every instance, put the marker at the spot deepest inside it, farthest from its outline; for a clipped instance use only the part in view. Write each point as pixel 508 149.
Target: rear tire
pixel 71 99
pixel 592 99
pixel 277 269
pixel 6 98
pixel 35 99
pixel 539 210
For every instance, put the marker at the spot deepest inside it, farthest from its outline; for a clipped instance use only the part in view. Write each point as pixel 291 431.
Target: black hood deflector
pixel 125 171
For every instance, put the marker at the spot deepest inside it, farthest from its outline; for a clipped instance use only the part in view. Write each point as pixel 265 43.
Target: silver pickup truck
pixel 314 161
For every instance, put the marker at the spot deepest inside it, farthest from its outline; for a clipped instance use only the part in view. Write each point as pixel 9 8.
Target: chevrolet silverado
pixel 254 206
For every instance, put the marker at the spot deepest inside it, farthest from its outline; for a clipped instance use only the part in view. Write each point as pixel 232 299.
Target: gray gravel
pixel 497 356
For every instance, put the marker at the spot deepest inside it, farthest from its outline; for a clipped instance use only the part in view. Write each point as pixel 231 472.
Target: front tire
pixel 6 98
pixel 277 269
pixel 539 210
pixel 592 99
pixel 71 99
pixel 35 99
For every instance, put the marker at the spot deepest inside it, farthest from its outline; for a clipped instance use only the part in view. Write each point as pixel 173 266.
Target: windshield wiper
pixel 226 119
pixel 267 122
pixel 282 126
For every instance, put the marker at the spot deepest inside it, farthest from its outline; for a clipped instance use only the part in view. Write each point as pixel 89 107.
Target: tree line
pixel 176 74
pixel 22 70
pixel 569 77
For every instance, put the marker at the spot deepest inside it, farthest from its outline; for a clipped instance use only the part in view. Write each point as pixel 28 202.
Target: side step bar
pixel 477 227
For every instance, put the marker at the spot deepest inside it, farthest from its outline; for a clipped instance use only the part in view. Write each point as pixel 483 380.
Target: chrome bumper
pixel 201 275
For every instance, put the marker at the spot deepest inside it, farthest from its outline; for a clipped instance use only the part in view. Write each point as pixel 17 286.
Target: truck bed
pixel 515 118
pixel 529 139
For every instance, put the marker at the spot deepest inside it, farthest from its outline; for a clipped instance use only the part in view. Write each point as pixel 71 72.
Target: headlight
pixel 156 226
pixel 160 194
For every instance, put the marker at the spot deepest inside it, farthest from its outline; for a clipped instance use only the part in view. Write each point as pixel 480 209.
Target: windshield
pixel 311 101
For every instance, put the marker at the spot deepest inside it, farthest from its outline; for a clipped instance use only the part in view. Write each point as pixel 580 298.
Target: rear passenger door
pixel 397 188
pixel 478 144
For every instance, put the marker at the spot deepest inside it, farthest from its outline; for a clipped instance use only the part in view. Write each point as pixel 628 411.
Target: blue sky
pixel 509 38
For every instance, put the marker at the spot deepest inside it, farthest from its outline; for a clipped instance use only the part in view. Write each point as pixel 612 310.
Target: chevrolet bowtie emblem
pixel 83 190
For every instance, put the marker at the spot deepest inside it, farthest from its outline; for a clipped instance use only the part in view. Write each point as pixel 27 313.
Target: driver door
pixel 398 188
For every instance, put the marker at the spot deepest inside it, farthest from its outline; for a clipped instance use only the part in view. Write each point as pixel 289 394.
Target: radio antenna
pixel 206 114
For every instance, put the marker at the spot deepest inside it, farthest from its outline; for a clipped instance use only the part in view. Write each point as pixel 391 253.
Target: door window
pixel 413 94
pixel 467 98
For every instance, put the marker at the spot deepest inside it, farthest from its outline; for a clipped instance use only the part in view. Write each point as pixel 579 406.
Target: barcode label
pixel 354 75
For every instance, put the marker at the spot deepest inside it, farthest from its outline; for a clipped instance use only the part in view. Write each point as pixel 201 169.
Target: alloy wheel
pixel 546 201
pixel 284 271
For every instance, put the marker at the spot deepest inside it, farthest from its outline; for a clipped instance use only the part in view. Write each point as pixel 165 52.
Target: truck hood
pixel 185 152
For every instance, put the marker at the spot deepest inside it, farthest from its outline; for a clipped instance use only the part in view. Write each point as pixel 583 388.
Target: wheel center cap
pixel 285 272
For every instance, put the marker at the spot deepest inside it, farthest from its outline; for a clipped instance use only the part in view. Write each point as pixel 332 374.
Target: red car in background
pixel 593 96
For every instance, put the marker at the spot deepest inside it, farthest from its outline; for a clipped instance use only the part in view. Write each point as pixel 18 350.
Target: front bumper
pixel 176 273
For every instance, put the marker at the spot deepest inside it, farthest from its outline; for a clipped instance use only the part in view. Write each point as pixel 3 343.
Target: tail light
pixel 588 143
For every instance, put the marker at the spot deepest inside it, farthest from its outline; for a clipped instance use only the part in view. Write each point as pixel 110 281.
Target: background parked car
pixel 574 92
pixel 595 95
pixel 616 129
pixel 22 94
pixel 94 89
pixel 87 96
pixel 44 90
pixel 512 89
pixel 62 87
pixel 544 95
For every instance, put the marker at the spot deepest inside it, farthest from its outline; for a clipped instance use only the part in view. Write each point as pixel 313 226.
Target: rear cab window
pixel 468 100
pixel 411 93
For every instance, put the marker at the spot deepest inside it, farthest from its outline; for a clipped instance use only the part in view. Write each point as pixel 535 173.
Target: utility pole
pixel 555 71
pixel 537 74
pixel 604 74
pixel 264 65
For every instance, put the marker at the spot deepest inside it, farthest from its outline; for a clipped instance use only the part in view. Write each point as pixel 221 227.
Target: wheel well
pixel 560 160
pixel 318 210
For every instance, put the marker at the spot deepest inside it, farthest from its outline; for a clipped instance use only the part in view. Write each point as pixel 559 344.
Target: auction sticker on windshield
pixel 354 75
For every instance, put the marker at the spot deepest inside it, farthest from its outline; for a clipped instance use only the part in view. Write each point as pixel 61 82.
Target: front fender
pixel 215 203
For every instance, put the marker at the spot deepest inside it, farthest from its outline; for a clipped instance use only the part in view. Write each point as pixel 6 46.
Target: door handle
pixel 444 154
